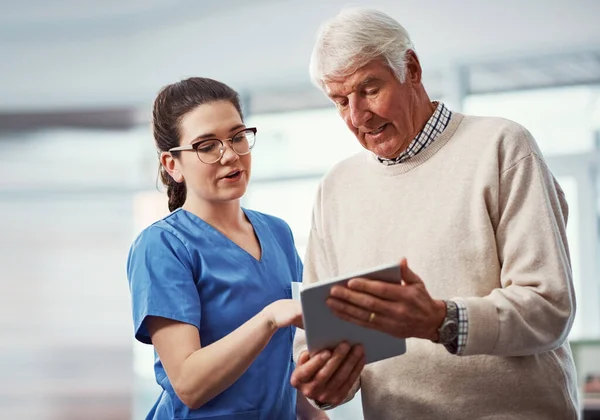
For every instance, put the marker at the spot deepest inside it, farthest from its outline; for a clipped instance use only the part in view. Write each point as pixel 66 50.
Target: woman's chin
pixel 232 194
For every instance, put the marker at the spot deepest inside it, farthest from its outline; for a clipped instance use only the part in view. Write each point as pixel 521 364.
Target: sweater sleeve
pixel 316 264
pixel 313 266
pixel 533 309
pixel 316 267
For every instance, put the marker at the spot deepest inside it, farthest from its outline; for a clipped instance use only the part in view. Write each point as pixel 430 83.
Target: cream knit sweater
pixel 482 220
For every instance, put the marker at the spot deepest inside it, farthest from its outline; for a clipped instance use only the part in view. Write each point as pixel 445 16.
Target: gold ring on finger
pixel 372 317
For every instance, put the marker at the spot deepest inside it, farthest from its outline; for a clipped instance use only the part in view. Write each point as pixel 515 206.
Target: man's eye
pixel 372 92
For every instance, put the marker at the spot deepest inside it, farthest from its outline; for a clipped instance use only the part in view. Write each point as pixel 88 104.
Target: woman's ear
pixel 171 165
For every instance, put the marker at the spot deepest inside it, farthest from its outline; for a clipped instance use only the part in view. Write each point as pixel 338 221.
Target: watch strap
pixel 448 331
pixel 323 406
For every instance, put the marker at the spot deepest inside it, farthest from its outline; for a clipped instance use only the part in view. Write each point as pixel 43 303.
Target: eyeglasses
pixel 212 150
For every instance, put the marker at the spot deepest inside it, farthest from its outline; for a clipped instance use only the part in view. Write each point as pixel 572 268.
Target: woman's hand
pixel 283 313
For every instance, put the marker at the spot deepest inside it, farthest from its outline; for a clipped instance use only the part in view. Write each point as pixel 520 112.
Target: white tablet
pixel 324 330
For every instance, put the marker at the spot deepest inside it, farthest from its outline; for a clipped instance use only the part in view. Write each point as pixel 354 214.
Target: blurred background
pixel 77 79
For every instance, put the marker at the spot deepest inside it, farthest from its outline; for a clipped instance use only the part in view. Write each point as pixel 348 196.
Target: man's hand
pixel 403 310
pixel 305 411
pixel 327 377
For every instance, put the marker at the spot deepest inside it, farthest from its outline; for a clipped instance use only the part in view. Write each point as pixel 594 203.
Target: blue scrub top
pixel 183 269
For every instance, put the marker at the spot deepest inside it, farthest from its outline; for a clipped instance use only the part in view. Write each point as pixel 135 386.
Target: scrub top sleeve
pixel 161 281
pixel 296 258
pixel 299 267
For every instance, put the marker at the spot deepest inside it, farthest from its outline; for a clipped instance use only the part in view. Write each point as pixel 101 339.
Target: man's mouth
pixel 379 130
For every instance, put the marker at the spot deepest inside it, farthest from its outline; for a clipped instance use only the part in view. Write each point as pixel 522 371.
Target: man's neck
pixel 426 110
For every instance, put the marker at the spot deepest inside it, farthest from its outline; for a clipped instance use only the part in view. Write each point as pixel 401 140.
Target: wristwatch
pixel 323 406
pixel 448 331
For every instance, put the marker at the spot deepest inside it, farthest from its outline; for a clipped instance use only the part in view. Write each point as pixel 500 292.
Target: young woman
pixel 211 282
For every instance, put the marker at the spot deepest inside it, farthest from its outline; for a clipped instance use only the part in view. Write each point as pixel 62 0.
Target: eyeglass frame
pixel 194 146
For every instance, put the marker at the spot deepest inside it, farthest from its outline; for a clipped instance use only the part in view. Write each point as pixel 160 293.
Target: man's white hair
pixel 355 37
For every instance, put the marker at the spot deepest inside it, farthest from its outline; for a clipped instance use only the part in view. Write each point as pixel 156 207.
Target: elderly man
pixel 486 300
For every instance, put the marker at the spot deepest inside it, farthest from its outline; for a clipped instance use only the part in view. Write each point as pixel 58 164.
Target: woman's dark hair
pixel 170 106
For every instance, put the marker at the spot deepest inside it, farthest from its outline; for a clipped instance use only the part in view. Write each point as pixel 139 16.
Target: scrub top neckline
pixel 253 222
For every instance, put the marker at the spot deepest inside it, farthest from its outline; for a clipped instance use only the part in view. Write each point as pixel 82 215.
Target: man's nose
pixel 359 114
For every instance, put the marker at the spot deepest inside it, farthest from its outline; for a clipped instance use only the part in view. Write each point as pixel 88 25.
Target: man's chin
pixel 384 151
pixel 389 148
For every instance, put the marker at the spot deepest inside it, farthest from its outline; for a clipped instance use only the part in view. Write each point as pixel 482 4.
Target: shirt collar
pixel 433 128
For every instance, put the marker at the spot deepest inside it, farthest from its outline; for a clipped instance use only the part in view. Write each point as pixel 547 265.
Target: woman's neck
pixel 226 216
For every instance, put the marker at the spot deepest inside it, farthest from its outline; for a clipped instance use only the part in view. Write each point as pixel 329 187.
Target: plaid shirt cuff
pixel 463 327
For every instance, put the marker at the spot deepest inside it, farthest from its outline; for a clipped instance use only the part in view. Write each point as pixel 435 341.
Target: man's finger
pixel 337 305
pixel 331 367
pixel 365 301
pixel 303 358
pixel 408 276
pixel 305 372
pixel 380 289
pixel 379 322
pixel 344 373
pixel 353 377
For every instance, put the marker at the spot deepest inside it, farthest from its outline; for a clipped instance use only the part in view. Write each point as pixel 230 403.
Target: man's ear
pixel 171 166
pixel 413 68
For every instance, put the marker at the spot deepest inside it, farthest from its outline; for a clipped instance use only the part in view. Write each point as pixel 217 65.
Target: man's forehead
pixel 361 77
